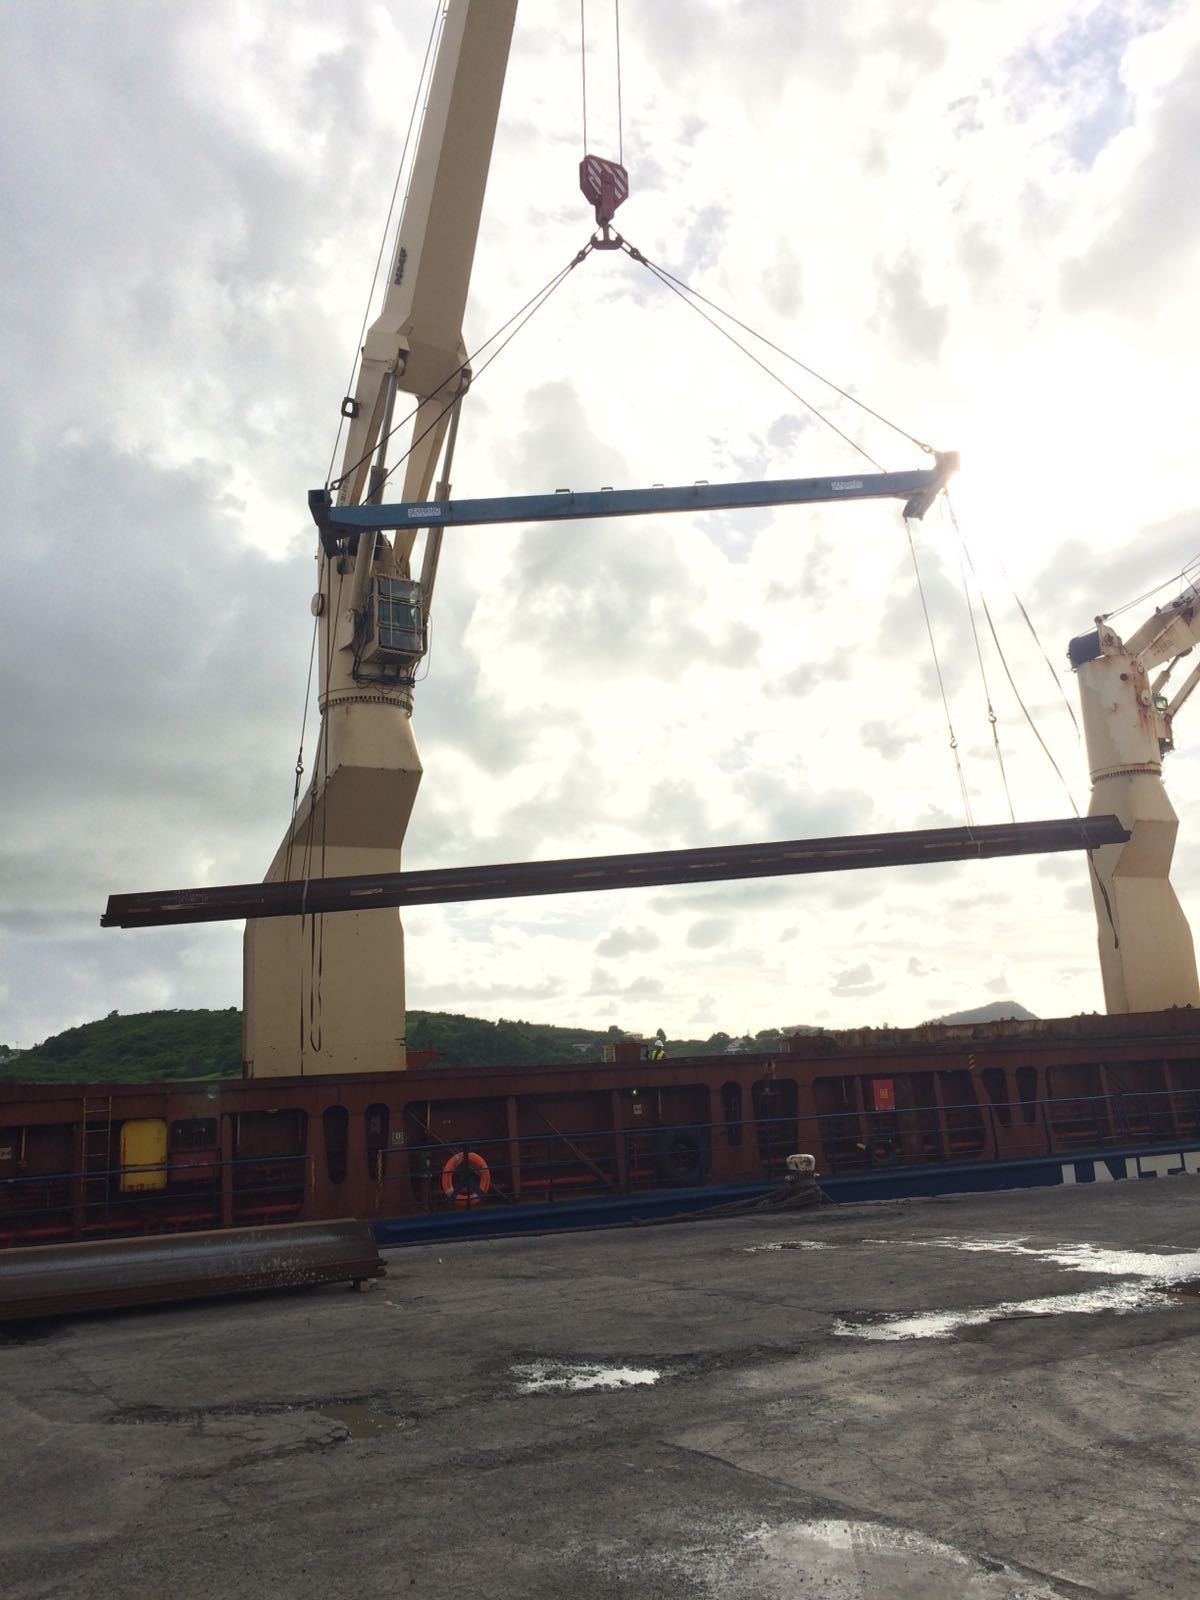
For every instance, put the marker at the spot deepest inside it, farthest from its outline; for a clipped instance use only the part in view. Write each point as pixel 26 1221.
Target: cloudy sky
pixel 980 216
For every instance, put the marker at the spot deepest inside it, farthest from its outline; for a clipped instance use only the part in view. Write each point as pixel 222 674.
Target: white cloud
pixel 975 217
pixel 624 941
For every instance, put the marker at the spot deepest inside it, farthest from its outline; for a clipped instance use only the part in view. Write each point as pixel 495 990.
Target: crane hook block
pixel 605 184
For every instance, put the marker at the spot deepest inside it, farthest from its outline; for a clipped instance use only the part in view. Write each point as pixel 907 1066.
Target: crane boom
pixel 416 340
pixel 324 995
pixel 1147 957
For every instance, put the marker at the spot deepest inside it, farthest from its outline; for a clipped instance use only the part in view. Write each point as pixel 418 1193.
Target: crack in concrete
pixel 138 1416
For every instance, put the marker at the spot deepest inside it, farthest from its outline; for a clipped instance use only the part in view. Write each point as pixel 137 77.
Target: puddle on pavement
pixel 362 1422
pixel 787 1244
pixel 864 1560
pixel 1153 1273
pixel 576 1377
pixel 1189 1290
pixel 1162 1264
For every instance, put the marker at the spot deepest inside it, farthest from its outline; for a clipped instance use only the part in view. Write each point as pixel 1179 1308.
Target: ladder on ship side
pixel 96 1151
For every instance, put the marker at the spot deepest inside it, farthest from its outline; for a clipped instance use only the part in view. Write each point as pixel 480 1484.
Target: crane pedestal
pixel 1147 958
pixel 325 994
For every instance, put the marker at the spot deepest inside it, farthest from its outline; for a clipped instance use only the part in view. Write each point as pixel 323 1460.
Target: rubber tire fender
pixel 681 1156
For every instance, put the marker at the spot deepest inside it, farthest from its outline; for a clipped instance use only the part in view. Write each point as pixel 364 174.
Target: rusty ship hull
pixel 445 1150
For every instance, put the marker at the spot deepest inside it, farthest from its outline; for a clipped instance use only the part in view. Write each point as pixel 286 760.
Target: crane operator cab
pixel 396 623
pixel 395 629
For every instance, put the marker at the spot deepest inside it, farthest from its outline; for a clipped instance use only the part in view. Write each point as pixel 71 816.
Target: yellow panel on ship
pixel 143 1146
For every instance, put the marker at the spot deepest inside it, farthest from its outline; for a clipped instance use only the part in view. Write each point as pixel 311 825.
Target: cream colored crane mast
pixel 1146 954
pixel 326 994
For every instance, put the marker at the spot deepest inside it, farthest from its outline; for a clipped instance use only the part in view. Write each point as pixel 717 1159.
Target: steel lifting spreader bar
pixel 917 489
pixel 584 874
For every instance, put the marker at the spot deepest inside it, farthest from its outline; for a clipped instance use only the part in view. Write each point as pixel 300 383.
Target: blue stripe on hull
pixel 892 1183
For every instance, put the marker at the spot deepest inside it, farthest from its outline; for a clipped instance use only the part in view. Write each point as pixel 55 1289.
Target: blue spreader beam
pixel 916 489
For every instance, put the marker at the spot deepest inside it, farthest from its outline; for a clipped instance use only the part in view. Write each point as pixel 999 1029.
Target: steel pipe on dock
pixel 644 869
pixel 55 1279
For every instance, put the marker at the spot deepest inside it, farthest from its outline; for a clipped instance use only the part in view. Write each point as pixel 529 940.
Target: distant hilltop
pixel 997 1011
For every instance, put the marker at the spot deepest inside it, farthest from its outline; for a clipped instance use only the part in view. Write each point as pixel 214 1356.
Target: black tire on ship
pixel 681 1155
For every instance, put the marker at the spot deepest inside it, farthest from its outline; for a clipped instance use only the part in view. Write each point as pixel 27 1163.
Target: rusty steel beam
pixel 645 869
pixel 55 1279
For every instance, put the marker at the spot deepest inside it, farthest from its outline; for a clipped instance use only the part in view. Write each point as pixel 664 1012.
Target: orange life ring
pixel 476 1181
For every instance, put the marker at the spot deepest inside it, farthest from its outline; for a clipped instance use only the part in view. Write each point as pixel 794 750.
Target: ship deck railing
pixel 555 1165
pixel 44 1208
pixel 568 1165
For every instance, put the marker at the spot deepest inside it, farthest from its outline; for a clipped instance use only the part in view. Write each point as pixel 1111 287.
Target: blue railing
pixel 67 1203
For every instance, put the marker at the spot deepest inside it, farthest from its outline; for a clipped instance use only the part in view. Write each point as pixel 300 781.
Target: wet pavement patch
pixel 848 1559
pixel 1147 1275
pixel 1160 1264
pixel 362 1420
pixel 577 1377
pixel 1188 1290
pixel 786 1244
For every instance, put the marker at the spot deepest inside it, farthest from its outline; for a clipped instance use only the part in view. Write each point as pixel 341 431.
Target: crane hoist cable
pixel 316 931
pixel 1026 618
pixel 316 967
pixel 419 100
pixel 299 769
pixel 583 67
pixel 993 720
pixel 606 184
pixel 1177 580
pixel 937 668
pixel 1025 711
pixel 583 75
pixel 603 182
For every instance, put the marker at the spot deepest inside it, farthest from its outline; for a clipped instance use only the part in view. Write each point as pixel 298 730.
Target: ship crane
pixel 327 994
pixel 1147 957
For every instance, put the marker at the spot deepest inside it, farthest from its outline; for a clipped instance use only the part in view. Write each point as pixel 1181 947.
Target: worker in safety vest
pixel 658 1047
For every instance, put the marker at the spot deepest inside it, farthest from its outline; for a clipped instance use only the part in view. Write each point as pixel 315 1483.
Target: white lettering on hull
pixel 1114 1169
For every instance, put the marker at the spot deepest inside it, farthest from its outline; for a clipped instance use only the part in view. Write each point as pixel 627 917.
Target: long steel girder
pixel 916 489
pixel 582 874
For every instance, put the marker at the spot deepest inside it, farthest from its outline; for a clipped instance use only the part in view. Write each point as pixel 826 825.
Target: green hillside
pixel 147 1047
pixel 166 1046
pixel 163 1046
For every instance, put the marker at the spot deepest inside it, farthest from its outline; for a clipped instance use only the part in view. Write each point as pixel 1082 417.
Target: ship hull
pixel 455 1152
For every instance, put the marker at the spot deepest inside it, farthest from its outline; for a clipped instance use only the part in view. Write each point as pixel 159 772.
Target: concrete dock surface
pixel 984 1398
